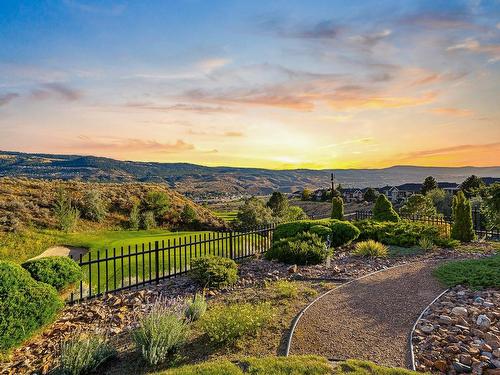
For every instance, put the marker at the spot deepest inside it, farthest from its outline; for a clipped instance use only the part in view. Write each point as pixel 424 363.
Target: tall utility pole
pixel 333 182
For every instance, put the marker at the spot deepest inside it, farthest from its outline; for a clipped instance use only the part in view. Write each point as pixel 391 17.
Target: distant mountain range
pixel 206 182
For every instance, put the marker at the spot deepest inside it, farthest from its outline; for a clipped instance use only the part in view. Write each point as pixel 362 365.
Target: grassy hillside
pixel 29 202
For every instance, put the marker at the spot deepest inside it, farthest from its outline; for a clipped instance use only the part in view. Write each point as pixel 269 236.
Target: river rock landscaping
pixel 460 333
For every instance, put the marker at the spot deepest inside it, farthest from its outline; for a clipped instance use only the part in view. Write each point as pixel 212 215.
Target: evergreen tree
pixel 134 220
pixel 383 210
pixel 462 229
pixel 370 195
pixel 278 203
pixel 188 214
pixel 337 208
pixel 419 204
pixel 471 186
pixel 429 184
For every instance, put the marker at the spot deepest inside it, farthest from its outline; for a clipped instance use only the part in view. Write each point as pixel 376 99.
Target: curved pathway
pixel 370 318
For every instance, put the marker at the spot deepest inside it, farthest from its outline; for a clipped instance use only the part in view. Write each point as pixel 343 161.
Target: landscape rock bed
pixel 460 333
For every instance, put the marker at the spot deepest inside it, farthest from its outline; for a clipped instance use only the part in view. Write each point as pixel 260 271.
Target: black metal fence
pixel 111 270
pixel 444 222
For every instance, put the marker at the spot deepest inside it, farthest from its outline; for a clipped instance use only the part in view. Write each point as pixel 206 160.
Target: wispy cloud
pixel 114 10
pixel 176 107
pixel 57 90
pixel 325 29
pixel 233 134
pixel 7 98
pixel 210 64
pixel 131 145
pixel 474 46
pixel 447 151
pixel 457 112
pixel 371 39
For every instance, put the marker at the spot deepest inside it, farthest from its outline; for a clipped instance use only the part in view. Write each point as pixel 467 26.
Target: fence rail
pixel 478 222
pixel 135 266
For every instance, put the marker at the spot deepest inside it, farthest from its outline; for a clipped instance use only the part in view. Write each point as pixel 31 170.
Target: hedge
pixel 343 232
pixel 58 271
pixel 25 305
pixel 304 248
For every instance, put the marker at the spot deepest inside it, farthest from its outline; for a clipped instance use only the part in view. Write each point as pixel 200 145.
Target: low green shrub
pixel 84 354
pixel 304 248
pixel 212 271
pixel 405 233
pixel 25 305
pixel 342 232
pixel 220 367
pixel 196 308
pixel 447 243
pixel 371 248
pixel 226 324
pixel 475 273
pixel 160 333
pixel 60 272
pixel 285 289
pixel 322 231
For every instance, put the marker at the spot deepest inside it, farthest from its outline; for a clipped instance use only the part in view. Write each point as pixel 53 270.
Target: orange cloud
pixel 131 145
pixel 470 154
pixel 457 112
pixel 344 101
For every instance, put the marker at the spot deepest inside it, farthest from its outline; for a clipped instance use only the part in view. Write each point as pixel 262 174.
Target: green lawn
pixel 133 256
pixel 228 216
pixel 475 273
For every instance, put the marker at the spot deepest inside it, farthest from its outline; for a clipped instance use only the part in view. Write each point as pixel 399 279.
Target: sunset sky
pixel 275 84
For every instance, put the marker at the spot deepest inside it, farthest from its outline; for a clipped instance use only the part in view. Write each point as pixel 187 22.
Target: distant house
pixel 396 194
pixel 352 195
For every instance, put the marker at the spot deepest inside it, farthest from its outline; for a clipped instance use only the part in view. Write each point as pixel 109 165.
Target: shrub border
pixel 412 349
pixel 302 312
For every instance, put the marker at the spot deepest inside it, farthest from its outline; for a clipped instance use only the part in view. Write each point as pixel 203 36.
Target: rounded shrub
pixel 305 248
pixel 371 248
pixel 25 305
pixel 322 231
pixel 343 233
pixel 383 210
pixel 212 271
pixel 58 271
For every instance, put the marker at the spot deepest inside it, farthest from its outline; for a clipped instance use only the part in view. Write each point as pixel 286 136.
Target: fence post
pixel 231 248
pixel 157 262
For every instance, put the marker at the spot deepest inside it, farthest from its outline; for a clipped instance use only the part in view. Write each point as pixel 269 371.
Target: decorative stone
pixel 427 328
pixel 459 311
pixel 483 321
pixel 441 365
pixel 445 319
pixel 461 368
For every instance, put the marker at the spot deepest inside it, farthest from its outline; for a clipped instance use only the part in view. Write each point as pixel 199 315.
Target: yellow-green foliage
pixel 426 243
pixel 293 365
pixel 371 248
pixel 285 289
pixel 356 367
pixel 226 324
pixel 58 271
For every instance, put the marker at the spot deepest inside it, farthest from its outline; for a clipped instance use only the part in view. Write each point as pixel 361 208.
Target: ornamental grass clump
pixel 196 307
pixel 160 333
pixel 226 324
pixel 84 353
pixel 426 243
pixel 285 289
pixel 371 248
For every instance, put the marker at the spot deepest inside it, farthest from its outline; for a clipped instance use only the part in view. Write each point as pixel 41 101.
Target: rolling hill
pixel 205 182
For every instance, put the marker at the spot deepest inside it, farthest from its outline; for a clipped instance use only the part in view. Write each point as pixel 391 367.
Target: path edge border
pixel 302 312
pixel 412 353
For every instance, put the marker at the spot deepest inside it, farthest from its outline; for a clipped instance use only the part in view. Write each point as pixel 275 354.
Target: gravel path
pixel 369 318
